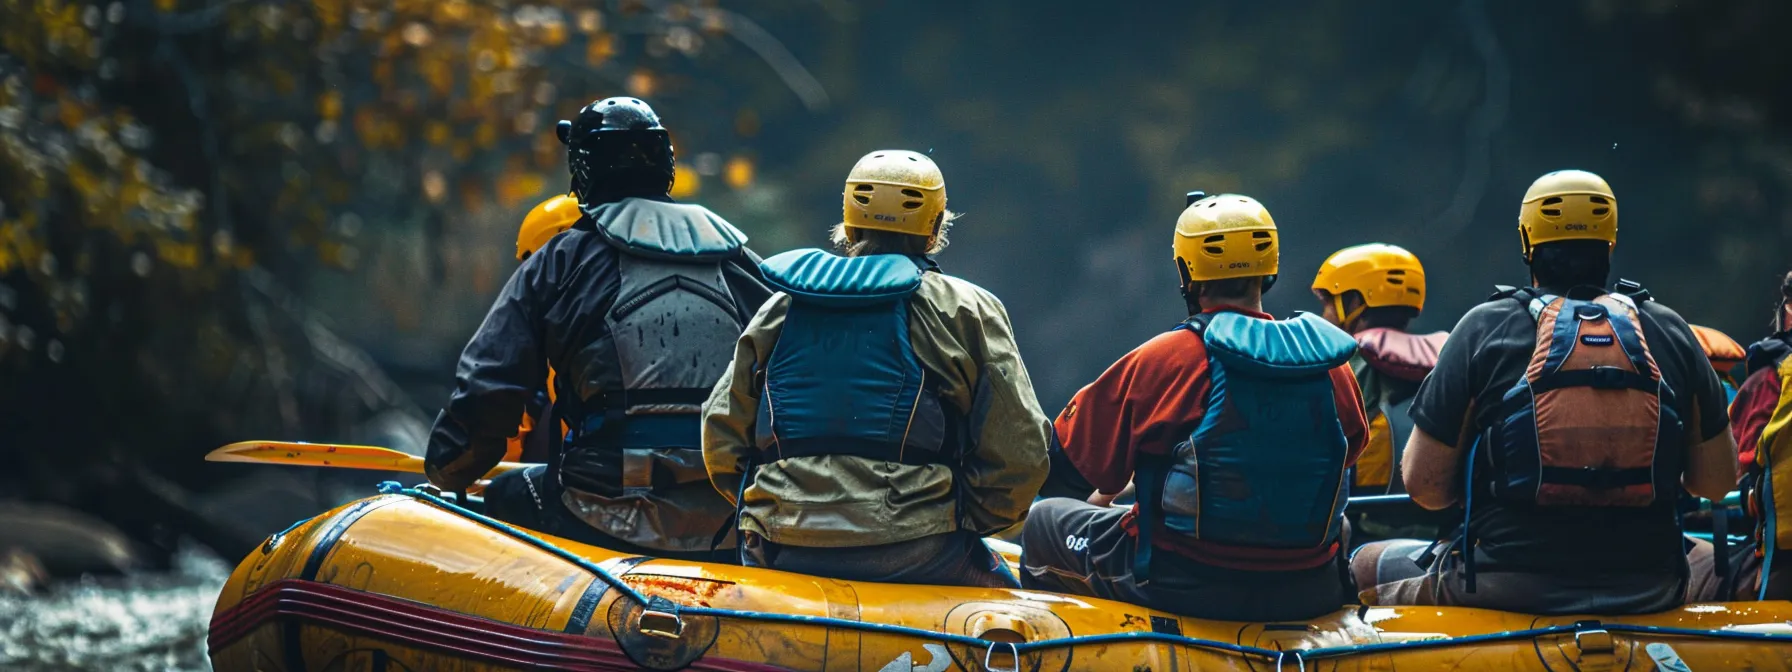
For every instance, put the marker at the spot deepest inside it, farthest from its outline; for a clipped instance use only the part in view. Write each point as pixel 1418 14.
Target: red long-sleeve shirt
pixel 1152 399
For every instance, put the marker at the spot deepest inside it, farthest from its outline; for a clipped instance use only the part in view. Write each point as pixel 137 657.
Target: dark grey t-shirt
pixel 1485 356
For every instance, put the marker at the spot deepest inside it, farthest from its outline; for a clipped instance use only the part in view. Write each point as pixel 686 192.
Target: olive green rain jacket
pixel 957 329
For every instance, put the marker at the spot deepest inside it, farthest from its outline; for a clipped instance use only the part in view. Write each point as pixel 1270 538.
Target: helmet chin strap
pixel 1345 317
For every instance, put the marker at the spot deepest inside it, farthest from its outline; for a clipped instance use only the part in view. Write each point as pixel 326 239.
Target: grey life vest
pixel 634 398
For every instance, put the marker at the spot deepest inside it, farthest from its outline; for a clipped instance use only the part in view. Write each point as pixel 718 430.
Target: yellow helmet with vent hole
pixel 894 190
pixel 1226 236
pixel 1385 275
pixel 1567 205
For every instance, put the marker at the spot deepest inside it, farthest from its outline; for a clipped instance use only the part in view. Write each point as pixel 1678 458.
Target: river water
pixel 140 622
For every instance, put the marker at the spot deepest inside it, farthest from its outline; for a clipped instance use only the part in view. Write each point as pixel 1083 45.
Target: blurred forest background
pixel 233 219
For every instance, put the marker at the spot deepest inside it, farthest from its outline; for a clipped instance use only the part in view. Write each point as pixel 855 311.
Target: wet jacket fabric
pixel 554 311
pixel 956 330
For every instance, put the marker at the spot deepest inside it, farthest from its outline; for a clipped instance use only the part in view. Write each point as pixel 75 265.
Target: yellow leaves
pixel 436 133
pixel 178 254
pixel 14 242
pixel 453 11
pixel 329 105
pixel 599 49
pixel 685 182
pixel 738 174
pixel 438 73
pixel 517 187
pixel 641 83
pixel 70 112
pixel 553 34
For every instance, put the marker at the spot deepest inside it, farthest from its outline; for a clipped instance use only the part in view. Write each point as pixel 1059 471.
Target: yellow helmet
pixel 1567 205
pixel 894 190
pixel 1226 236
pixel 544 222
pixel 1386 275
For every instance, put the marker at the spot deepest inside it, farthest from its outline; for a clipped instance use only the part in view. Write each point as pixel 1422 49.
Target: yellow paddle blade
pixel 318 455
pixel 330 455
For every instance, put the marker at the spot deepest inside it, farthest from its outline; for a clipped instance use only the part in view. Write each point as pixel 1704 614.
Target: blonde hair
pixel 864 242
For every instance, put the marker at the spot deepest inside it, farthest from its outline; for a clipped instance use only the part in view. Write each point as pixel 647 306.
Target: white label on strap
pixel 1666 659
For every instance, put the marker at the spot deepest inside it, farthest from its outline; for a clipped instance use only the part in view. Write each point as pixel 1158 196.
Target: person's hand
pixel 1099 499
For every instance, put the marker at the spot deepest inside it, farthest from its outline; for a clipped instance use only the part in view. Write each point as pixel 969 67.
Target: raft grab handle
pixel 662 608
pixel 1013 652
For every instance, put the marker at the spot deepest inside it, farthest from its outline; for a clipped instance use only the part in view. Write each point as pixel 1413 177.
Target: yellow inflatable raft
pixel 405 581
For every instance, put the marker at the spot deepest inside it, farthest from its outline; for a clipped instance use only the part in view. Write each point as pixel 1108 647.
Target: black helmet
pixel 616 147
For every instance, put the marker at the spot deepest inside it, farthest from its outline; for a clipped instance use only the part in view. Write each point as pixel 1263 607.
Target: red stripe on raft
pixel 424 626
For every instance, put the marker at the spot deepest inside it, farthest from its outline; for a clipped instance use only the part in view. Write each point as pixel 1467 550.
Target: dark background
pixel 233 220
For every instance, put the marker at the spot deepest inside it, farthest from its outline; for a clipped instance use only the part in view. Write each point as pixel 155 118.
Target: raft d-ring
pixel 1013 652
pixel 660 618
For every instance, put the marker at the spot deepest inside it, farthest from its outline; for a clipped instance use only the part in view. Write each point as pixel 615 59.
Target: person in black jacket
pixel 637 309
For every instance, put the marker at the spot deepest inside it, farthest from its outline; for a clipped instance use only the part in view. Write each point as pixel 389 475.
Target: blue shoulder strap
pixel 815 276
pixel 1304 345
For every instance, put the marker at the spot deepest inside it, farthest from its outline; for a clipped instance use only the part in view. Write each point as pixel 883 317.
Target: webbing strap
pixel 869 449
pixel 1598 479
pixel 1720 550
pixel 1467 547
pixel 1148 486
pixel 653 396
pixel 1598 377
pixel 1768 540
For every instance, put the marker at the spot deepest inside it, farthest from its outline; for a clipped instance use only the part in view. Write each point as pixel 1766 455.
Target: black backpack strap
pixel 1466 542
pixel 1632 289
pixel 1720 550
pixel 1197 323
pixel 1523 295
pixel 1148 487
pixel 732 524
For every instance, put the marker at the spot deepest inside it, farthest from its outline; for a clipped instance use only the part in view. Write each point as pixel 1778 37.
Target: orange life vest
pixel 513 447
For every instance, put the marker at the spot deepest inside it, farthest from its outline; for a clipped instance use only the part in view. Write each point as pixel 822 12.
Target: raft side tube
pixel 423 587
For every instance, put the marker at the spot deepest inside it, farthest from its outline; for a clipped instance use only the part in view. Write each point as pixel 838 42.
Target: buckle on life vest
pixel 1589 312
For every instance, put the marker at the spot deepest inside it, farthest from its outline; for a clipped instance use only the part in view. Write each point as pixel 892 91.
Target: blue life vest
pixel 843 378
pixel 1266 467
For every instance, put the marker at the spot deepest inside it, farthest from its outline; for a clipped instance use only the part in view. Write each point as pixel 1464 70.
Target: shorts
pixel 1071 546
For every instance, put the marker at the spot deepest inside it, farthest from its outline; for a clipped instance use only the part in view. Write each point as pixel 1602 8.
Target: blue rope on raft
pixel 393 488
